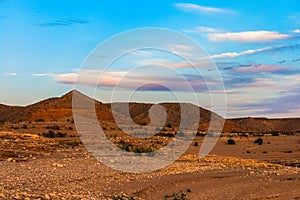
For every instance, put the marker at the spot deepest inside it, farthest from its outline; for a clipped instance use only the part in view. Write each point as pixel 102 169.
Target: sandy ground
pixel 50 172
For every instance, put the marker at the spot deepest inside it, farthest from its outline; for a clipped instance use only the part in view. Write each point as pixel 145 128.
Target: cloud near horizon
pixel 248 36
pixel 130 81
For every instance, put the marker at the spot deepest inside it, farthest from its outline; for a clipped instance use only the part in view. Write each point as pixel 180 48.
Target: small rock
pixel 17 197
pixel 10 159
pixel 58 165
pixel 47 196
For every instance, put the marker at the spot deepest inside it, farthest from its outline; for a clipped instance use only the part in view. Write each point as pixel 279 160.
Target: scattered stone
pixel 58 165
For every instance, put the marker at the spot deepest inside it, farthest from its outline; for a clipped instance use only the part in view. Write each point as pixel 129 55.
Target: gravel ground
pixel 59 173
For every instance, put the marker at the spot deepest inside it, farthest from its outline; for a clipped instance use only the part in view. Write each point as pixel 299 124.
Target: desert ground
pixel 37 167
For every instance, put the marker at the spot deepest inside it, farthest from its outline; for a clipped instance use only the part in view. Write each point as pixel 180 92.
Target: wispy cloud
pixel 296 31
pixel 64 22
pixel 254 51
pixel 261 68
pixel 41 75
pixel 11 74
pixel 190 7
pixel 203 29
pixel 248 36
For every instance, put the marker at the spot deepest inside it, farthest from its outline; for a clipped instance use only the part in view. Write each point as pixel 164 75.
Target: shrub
pixel 259 141
pixel 24 126
pixel 264 152
pixel 70 128
pixel 230 141
pixel 196 144
pixel 59 134
pixel 54 127
pixel 39 120
pixel 274 133
pixel 50 134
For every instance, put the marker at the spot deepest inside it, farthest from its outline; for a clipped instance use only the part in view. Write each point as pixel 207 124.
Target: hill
pixel 60 108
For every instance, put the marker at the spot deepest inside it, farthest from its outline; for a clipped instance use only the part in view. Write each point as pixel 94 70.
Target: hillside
pixel 60 108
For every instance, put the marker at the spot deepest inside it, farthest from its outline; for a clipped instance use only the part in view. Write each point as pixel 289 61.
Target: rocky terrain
pixel 34 167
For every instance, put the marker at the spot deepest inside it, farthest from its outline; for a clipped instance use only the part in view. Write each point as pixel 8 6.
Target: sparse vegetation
pixel 54 127
pixel 39 120
pixel 52 134
pixel 24 126
pixel 230 141
pixel 259 141
pixel 180 196
pixel 196 144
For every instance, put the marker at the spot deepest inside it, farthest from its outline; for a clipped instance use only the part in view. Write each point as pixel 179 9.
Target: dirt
pixel 40 168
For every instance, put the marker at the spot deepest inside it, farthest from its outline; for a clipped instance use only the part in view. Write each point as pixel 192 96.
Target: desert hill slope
pixel 57 108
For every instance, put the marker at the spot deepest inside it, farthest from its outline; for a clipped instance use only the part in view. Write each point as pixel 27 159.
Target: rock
pixel 2 195
pixel 17 197
pixel 10 159
pixel 58 165
pixel 47 196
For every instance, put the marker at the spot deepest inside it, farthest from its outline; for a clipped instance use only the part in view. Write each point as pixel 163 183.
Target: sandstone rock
pixel 10 159
pixel 58 165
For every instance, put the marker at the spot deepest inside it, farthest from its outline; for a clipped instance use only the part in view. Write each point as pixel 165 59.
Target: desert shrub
pixel 50 134
pixel 231 141
pixel 196 144
pixel 39 120
pixel 180 134
pixel 259 141
pixel 24 126
pixel 248 151
pixel 264 152
pixel 169 125
pixel 59 134
pixel 288 151
pixel 200 134
pixel 274 133
pixel 162 134
pixel 54 127
pixel 70 128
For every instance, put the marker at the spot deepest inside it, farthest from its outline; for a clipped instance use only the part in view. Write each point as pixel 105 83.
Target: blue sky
pixel 255 45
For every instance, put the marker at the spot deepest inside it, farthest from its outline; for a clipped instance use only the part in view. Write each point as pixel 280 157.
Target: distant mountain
pixel 60 108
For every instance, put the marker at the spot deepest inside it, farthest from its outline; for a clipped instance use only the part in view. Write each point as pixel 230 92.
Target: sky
pixel 254 46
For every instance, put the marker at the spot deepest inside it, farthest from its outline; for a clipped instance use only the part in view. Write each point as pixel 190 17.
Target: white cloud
pixel 11 74
pixel 235 54
pixel 203 29
pixel 248 36
pixel 189 7
pixel 296 31
pixel 41 75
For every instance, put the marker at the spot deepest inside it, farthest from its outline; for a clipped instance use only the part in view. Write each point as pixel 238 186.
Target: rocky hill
pixel 60 108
